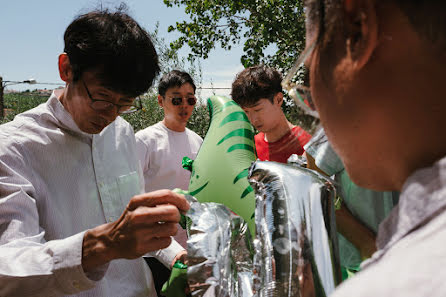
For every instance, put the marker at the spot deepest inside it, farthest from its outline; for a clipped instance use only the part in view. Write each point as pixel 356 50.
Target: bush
pixel 16 103
pixel 152 113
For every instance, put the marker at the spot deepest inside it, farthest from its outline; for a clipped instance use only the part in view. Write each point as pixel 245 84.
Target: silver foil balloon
pixel 296 249
pixel 295 252
pixel 220 252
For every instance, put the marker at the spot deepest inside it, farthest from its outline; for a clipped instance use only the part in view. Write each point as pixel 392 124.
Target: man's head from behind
pixel 108 60
pixel 376 75
pixel 258 91
pixel 176 95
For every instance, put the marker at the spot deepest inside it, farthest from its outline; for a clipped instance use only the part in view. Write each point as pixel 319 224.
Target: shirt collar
pixel 65 119
pixel 422 197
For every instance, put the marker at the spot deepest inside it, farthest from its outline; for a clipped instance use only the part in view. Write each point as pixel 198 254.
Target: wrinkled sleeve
pixel 167 255
pixel 30 265
pixel 324 156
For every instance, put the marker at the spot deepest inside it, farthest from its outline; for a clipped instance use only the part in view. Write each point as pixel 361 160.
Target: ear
pixel 278 99
pixel 65 70
pixel 160 100
pixel 361 30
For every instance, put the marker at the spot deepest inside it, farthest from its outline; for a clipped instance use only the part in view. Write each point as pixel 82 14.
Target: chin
pixel 373 178
pixel 92 129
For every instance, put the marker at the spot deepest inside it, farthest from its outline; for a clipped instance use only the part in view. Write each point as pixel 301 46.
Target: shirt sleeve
pixel 142 152
pixel 324 156
pixel 30 265
pixel 167 255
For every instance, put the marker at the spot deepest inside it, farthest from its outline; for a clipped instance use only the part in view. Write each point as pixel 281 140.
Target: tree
pixel 272 32
pixel 152 112
pixel 169 60
pixel 262 25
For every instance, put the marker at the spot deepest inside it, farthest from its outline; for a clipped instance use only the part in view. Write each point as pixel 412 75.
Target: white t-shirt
pixel 161 151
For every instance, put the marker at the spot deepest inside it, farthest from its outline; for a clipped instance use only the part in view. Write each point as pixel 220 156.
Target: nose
pixel 252 118
pixel 184 102
pixel 111 114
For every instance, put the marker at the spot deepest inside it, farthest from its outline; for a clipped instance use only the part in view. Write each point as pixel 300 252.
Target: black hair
pixel 426 16
pixel 255 83
pixel 114 46
pixel 174 78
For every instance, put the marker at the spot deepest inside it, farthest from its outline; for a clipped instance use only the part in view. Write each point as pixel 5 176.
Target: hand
pixel 182 256
pixel 146 225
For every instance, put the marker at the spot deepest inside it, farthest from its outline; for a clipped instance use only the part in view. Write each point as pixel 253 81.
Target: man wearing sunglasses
pixel 377 71
pixel 74 219
pixel 161 147
pixel 258 91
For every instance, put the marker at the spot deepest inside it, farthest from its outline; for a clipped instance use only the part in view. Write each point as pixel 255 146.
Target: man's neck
pixel 174 126
pixel 282 128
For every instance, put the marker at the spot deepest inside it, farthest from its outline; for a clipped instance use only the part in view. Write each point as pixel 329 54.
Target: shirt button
pixel 76 284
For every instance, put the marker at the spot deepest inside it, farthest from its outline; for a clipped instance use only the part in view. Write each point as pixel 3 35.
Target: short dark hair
pixel 174 78
pixel 255 83
pixel 116 47
pixel 426 16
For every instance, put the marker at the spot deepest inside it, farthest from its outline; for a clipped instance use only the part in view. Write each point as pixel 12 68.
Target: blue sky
pixel 32 38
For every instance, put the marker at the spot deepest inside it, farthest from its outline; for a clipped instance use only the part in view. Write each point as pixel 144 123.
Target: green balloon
pixel 219 173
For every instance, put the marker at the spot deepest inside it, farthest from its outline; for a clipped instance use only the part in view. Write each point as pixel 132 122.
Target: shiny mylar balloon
pixel 296 248
pixel 219 172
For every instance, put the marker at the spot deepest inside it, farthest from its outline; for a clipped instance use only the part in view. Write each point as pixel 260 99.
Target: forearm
pixel 97 248
pixel 355 232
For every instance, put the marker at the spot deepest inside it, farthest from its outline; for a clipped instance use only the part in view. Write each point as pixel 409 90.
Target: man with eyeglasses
pixel 161 147
pixel 377 72
pixel 258 91
pixel 74 218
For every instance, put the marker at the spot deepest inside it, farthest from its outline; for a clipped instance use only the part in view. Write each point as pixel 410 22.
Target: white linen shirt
pixel 56 182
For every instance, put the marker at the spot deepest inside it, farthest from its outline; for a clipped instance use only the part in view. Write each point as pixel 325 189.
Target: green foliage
pixel 263 26
pixel 169 60
pixel 260 24
pixel 152 113
pixel 16 103
pixel 296 116
pixel 200 120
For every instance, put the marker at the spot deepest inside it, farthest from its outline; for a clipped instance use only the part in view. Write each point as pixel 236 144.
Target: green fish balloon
pixel 220 170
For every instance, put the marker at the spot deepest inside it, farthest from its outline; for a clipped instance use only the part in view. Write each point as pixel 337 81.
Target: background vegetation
pixel 151 113
pixel 272 33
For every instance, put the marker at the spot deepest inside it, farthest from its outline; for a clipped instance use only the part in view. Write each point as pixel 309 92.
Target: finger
pixel 158 244
pixel 155 230
pixel 158 198
pixel 144 215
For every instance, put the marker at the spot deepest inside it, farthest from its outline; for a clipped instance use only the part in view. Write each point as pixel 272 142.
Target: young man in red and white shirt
pixel 258 91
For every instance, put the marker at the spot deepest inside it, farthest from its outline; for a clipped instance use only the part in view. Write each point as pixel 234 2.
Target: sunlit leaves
pixel 271 31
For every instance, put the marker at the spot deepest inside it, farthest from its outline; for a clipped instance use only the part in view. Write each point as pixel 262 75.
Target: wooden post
pixel 2 107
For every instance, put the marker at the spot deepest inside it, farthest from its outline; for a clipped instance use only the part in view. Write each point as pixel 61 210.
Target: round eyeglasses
pixel 106 106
